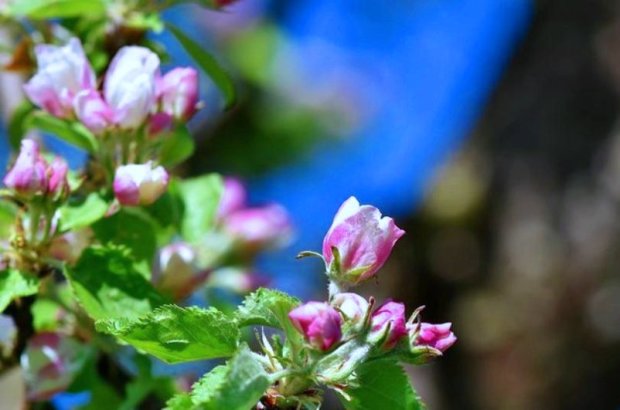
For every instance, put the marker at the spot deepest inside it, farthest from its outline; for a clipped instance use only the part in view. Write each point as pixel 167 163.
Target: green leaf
pixel 168 209
pixel 45 9
pixel 208 64
pixel 132 228
pixel 181 401
pixel 266 307
pixel 175 334
pixel 383 384
pixel 8 211
pixel 204 390
pixel 74 216
pixel 270 307
pixel 16 128
pixel 177 146
pixel 14 284
pixel 72 132
pixel 210 4
pixel 145 21
pixel 237 386
pixel 45 314
pixel 109 284
pixel 201 197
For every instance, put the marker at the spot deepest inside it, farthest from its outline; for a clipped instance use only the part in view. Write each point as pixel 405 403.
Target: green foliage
pixel 270 307
pixel 72 132
pixel 45 313
pixel 175 334
pixel 8 211
pixel 84 213
pixel 109 284
pixel 208 64
pixel 177 146
pixel 132 228
pixel 201 197
pixel 210 4
pixel 44 9
pixel 383 384
pixel 266 307
pixel 14 284
pixel 168 209
pixel 237 386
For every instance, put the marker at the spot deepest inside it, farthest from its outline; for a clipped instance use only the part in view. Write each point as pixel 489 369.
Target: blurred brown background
pixel 518 240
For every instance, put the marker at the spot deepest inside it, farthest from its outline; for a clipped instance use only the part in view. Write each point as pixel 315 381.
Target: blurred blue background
pixel 421 72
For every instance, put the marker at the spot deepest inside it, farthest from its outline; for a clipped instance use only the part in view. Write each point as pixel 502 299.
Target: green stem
pixel 35 218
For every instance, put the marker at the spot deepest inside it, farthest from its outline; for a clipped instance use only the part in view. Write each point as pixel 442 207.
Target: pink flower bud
pixel 233 197
pixel 352 306
pixel 236 279
pixel 50 363
pixel 364 240
pixel 28 176
pixel 388 324
pixel 436 336
pixel 92 111
pixel 319 323
pixel 57 184
pixel 178 91
pixel 130 85
pixel 139 184
pixel 177 273
pixel 258 227
pixel 62 73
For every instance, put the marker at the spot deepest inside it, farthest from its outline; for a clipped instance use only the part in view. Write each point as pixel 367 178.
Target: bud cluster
pixel 31 176
pixel 40 187
pixel 134 91
pixel 348 329
pixel 131 114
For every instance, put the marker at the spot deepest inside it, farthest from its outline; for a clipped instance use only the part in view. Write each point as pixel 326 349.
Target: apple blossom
pixel 437 336
pixel 352 306
pixel 388 324
pixel 363 240
pixel 63 71
pixel 176 273
pixel 28 176
pixel 57 184
pixel 93 111
pixel 130 85
pixel 233 197
pixel 257 227
pixel 139 184
pixel 178 93
pixel 319 323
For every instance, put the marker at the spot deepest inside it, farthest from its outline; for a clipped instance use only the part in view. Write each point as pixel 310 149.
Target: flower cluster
pixel 40 187
pixel 134 91
pixel 348 329
pixel 131 115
